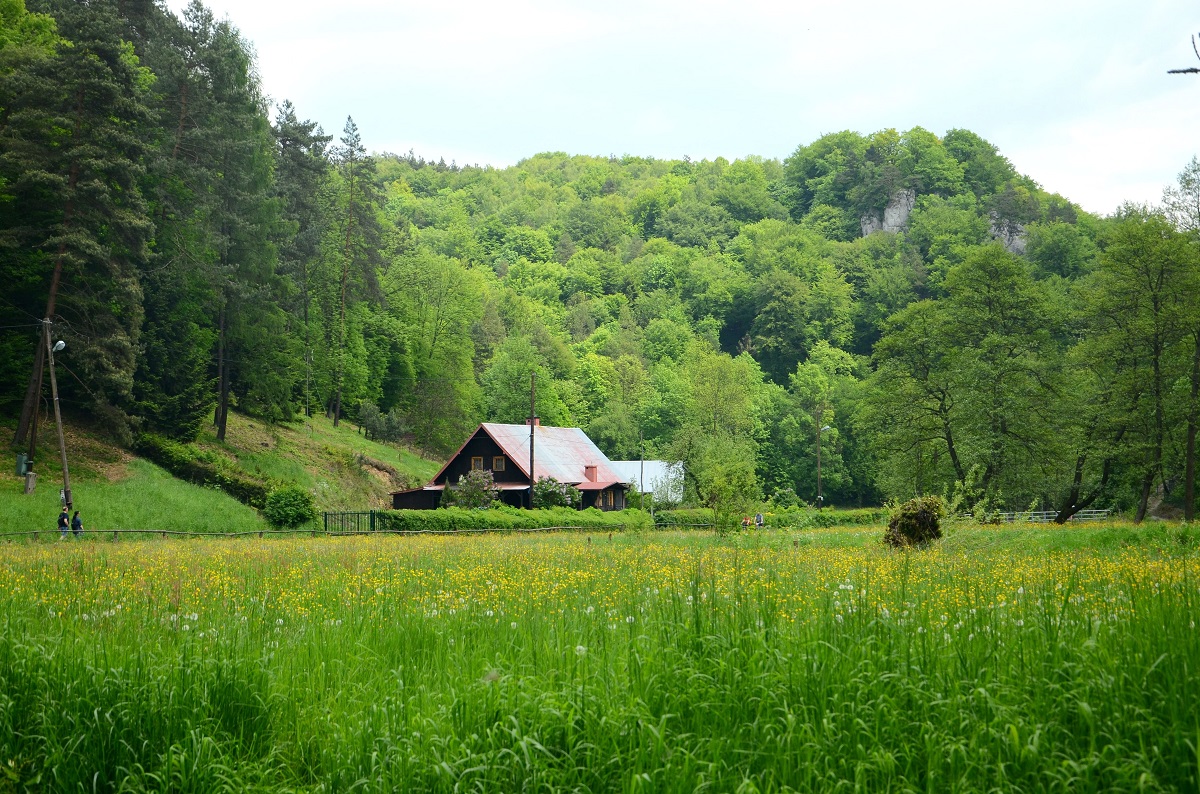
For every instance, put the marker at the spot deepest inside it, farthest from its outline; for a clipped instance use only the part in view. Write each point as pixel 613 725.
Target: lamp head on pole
pixel 59 346
pixel 826 427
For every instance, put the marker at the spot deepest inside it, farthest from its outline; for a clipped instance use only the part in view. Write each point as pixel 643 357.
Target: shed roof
pixel 659 477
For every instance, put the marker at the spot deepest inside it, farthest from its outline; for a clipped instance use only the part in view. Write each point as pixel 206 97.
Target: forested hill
pixel 954 327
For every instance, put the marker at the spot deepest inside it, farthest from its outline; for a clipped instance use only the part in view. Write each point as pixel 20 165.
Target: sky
pixel 1075 94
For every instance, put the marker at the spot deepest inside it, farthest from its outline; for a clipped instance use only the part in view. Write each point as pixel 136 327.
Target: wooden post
pixel 62 444
pixel 532 428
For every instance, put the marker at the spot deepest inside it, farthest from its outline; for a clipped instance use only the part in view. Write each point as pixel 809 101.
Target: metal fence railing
pixel 1047 516
pixel 361 521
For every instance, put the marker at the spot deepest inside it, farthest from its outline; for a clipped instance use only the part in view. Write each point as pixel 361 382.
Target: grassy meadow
pixel 141 496
pixel 1002 659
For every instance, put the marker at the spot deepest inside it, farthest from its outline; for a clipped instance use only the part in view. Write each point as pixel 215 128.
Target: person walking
pixel 64 523
pixel 758 520
pixel 76 524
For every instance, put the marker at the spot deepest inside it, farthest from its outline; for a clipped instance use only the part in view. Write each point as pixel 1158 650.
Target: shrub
pixel 380 426
pixel 452 519
pixel 917 522
pixel 288 507
pixel 199 468
pixel 475 490
pixel 785 499
pixel 549 492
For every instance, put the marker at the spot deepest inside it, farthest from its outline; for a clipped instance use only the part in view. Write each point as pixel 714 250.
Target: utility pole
pixel 532 427
pixel 62 444
pixel 820 432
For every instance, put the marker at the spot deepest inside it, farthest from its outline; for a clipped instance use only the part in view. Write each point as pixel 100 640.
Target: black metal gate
pixel 350 522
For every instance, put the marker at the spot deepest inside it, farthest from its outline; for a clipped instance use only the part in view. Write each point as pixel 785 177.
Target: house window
pixel 477 464
pixel 608 500
pixel 498 463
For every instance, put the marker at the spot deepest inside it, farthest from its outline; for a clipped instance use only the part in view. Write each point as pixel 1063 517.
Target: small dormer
pixel 589 473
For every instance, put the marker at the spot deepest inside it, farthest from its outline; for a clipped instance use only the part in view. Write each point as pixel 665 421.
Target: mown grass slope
pixel 343 469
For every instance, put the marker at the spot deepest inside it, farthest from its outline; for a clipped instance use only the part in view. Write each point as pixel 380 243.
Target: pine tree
pixel 76 130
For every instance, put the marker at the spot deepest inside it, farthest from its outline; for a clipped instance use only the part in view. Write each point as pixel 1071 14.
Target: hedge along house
pixel 564 453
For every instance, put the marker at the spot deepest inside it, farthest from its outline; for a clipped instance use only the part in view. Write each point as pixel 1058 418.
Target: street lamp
pixel 820 498
pixel 58 347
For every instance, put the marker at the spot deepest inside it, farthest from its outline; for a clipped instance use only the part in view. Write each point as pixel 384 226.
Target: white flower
pixel 451 640
pixel 590 610
pixel 489 613
pixel 1020 591
pixel 1020 621
pixel 337 622
pixel 174 617
pixel 838 617
pixel 53 614
pixel 513 625
pixel 279 621
pixel 629 618
pixel 580 650
pixel 971 636
pixel 185 627
pixel 194 617
pixel 885 613
pixel 85 616
pixel 920 629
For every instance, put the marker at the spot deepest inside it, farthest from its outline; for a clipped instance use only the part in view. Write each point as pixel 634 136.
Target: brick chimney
pixel 589 473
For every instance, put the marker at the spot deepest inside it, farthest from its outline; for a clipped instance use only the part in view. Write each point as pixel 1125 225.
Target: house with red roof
pixel 563 453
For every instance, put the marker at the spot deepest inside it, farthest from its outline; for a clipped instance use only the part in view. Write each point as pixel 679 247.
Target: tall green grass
pixel 654 662
pixel 149 498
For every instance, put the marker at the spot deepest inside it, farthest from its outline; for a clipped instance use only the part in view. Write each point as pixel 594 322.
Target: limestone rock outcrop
pixel 894 217
pixel 1011 235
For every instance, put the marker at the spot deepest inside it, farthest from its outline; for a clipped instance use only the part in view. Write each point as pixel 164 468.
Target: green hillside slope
pixel 115 489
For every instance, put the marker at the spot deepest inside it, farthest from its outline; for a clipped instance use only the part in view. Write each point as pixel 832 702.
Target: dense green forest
pixel 955 328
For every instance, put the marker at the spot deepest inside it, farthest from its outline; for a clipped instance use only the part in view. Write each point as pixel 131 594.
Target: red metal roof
pixel 596 486
pixel 559 452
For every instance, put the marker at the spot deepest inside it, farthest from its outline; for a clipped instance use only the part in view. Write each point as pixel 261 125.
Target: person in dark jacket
pixel 76 524
pixel 64 522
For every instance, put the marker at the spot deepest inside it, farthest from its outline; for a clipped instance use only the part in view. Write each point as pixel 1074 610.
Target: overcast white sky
pixel 1074 93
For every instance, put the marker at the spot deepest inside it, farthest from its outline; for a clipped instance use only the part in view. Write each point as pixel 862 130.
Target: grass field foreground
pixel 1058 660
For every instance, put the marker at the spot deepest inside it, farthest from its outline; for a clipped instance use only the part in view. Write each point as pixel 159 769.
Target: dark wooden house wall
pixel 482 445
pixel 416 500
pixel 598 500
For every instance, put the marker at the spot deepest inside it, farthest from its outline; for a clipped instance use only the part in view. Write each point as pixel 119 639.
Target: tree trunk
pixel 183 103
pixel 948 434
pixel 222 412
pixel 1144 500
pixel 1189 481
pixel 1073 503
pixel 337 398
